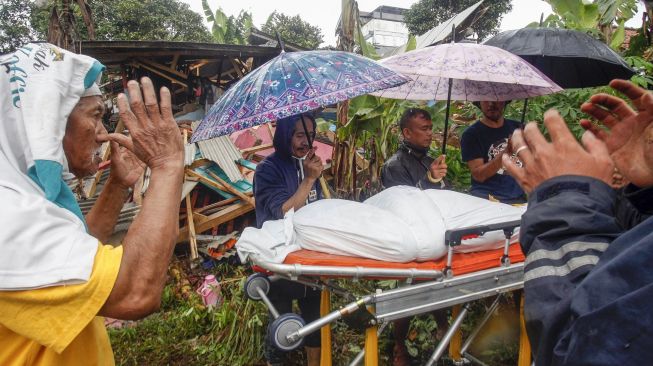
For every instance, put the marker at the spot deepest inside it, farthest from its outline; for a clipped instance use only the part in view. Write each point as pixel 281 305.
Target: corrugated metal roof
pixel 223 152
pixel 189 154
pixel 440 32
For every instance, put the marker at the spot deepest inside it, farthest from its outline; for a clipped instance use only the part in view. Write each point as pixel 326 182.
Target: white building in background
pixel 384 27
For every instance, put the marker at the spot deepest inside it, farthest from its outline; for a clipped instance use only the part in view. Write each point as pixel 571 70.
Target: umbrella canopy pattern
pixel 294 83
pixel 570 58
pixel 478 72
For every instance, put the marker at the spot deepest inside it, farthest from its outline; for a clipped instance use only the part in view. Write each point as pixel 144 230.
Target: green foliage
pixel 597 18
pixel 350 35
pixel 186 333
pixel 15 29
pixel 426 14
pixel 616 10
pixel 294 30
pixel 168 20
pixel 458 173
pixel 644 77
pixel 228 29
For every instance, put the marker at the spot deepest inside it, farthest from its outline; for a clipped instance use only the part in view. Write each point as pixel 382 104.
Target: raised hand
pixel 629 133
pixel 126 168
pixel 438 167
pixel 155 137
pixel 544 160
pixel 313 165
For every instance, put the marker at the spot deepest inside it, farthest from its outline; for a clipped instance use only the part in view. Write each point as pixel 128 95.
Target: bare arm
pixel 156 140
pixel 484 171
pixel 102 218
pixel 298 200
pixel 126 169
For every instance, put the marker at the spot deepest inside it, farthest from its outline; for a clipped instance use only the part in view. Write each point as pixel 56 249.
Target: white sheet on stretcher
pixel 400 224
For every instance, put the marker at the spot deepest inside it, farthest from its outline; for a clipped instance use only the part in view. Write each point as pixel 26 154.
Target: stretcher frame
pixel 443 289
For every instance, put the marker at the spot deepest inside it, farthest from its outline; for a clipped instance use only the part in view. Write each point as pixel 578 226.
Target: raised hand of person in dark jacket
pixel 629 134
pixel 543 160
pixel 438 168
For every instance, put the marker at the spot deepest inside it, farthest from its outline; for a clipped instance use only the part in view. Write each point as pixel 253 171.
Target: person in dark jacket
pixel 410 165
pixel 482 146
pixel 285 180
pixel 588 280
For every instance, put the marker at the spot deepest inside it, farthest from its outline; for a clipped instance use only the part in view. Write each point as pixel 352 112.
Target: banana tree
pixel 228 29
pixel 61 26
pixel 601 18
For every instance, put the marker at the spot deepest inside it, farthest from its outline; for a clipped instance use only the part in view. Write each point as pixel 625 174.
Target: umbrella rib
pixel 310 86
pixel 409 89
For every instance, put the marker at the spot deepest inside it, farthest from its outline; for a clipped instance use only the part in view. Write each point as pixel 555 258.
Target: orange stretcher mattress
pixel 462 262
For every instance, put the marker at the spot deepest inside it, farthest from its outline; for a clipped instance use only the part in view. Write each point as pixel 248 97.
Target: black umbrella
pixel 570 58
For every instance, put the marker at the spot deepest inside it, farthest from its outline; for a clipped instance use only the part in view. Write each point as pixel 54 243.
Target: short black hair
pixel 411 113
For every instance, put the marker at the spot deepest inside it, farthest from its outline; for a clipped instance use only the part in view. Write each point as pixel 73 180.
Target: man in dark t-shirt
pixel 483 144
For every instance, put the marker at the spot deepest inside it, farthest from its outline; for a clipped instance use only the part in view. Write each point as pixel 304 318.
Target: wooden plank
pixel 175 60
pixel 217 204
pixel 237 67
pixel 206 180
pixel 98 174
pixel 191 229
pixel 256 148
pixel 231 189
pixel 154 70
pixel 229 213
pixel 270 129
pixel 163 67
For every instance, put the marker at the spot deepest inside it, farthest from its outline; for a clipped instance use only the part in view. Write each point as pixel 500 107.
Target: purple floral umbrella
pixel 293 83
pixel 465 71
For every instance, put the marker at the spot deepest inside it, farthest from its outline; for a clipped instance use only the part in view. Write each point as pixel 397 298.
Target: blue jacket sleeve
pixel 568 225
pixel 271 191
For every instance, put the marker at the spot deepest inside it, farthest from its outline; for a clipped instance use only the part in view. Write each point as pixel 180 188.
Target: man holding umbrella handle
pixel 483 145
pixel 286 180
pixel 411 165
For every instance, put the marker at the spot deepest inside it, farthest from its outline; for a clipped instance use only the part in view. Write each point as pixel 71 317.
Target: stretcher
pixel 453 281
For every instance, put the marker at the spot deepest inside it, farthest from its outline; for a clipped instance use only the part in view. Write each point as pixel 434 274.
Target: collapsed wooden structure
pixel 217 198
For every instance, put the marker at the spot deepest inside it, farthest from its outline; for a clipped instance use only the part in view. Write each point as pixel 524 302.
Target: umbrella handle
pixel 523 112
pixel 446 120
pixel 308 136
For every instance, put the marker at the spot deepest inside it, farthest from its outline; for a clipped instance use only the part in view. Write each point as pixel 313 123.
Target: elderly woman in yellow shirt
pixel 57 278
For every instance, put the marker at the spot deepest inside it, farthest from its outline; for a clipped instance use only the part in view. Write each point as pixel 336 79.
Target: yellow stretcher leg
pixel 524 344
pixel 457 339
pixel 325 332
pixel 371 343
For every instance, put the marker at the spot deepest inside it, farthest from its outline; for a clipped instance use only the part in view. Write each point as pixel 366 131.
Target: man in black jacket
pixel 410 165
pixel 588 280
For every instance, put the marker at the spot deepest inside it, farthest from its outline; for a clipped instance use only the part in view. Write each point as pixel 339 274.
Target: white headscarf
pixel 43 238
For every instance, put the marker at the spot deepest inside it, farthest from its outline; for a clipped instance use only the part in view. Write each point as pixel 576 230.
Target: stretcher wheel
pixel 281 327
pixel 257 280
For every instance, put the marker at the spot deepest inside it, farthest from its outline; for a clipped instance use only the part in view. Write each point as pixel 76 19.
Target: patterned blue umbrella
pixel 294 83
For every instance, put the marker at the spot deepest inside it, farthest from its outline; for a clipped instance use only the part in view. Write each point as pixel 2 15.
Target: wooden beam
pixel 256 148
pixel 216 219
pixel 191 229
pixel 206 180
pixel 231 189
pixel 162 67
pixel 163 75
pixel 237 67
pixel 175 60
pixel 217 204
